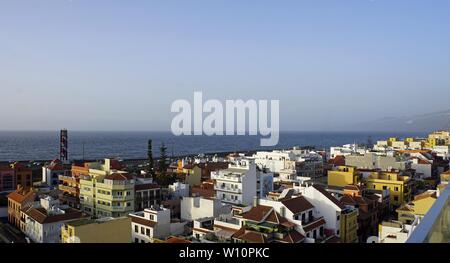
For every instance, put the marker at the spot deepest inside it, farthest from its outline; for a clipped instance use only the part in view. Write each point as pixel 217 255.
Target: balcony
pixel 126 186
pixel 227 177
pixel 435 226
pixel 68 179
pixel 69 189
pixel 227 189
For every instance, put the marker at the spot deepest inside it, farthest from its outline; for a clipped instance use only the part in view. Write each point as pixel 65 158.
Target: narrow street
pixel 9 234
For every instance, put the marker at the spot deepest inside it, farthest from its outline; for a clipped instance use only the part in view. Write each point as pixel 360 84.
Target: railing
pixel 69 189
pixel 435 226
pixel 228 189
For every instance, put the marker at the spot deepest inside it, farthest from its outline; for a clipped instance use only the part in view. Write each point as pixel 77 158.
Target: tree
pixel 164 178
pixel 162 165
pixel 370 142
pixel 151 163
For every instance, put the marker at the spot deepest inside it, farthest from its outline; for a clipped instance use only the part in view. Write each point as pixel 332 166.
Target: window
pixel 136 240
pixel 396 189
pixel 128 204
pixel 315 233
pixel 384 187
pixel 338 217
pixel 142 230
pixel 303 217
pixel 136 229
pixel 147 231
pixel 310 216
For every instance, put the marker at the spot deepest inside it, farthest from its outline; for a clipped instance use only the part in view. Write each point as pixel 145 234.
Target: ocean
pixel 44 145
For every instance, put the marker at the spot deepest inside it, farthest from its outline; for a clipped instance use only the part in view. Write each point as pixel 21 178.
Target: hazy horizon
pixel 114 65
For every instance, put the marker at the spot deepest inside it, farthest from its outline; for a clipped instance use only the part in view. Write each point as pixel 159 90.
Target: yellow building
pixel 105 230
pixel 418 207
pixel 342 176
pixel 438 138
pixel 349 226
pixel 397 185
pixel 106 192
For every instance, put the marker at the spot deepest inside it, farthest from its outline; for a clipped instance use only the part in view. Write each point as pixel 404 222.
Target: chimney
pixel 255 201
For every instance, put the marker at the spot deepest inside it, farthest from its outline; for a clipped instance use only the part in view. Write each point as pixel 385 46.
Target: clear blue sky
pixel 97 65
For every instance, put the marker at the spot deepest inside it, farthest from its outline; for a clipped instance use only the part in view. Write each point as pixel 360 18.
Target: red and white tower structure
pixel 63 146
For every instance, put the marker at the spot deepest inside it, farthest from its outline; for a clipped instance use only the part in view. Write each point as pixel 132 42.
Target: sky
pixel 119 65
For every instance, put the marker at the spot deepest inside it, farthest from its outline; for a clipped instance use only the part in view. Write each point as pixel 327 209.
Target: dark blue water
pixel 45 145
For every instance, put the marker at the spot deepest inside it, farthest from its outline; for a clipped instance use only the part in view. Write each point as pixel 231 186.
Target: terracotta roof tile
pixel 119 176
pixel 142 221
pixel 297 205
pixel 314 225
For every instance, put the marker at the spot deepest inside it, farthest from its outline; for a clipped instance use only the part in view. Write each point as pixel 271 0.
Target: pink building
pixel 7 179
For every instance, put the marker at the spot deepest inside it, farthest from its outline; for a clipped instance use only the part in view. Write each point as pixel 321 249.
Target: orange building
pixel 18 200
pixel 69 185
pixel 23 175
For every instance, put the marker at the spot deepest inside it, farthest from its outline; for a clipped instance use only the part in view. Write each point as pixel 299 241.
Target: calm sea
pixel 40 145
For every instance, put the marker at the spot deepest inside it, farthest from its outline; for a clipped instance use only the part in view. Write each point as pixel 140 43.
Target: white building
pixel 52 171
pixel 193 208
pixel 302 213
pixel 442 151
pixel 237 184
pixel 306 163
pixel 327 206
pixel 178 190
pixel 347 149
pixel 264 183
pixel 152 223
pixel 44 220
pixel 394 232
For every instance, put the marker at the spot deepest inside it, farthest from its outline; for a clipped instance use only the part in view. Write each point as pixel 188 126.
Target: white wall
pixel 324 206
pixel 193 208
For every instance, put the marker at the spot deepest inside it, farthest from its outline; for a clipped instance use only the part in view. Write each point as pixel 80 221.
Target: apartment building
pixel 52 171
pixel 397 184
pixel 341 176
pixel 106 192
pixel 380 161
pixel 24 174
pixel 237 184
pixel 305 162
pixel 154 224
pixel 69 185
pixel 8 182
pixel 18 200
pixel 146 193
pixel 347 149
pixel 368 211
pixel 340 219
